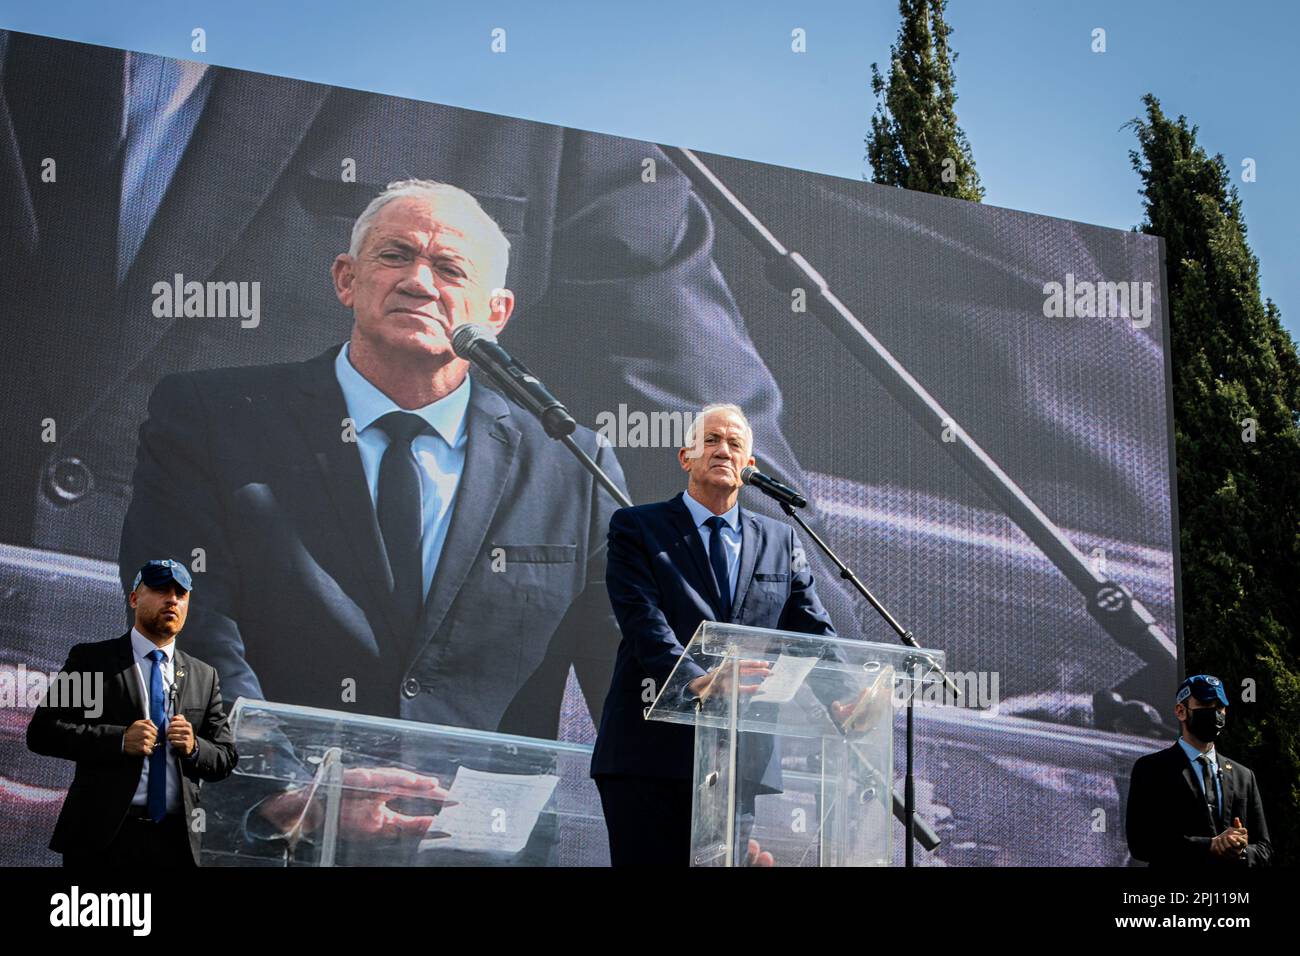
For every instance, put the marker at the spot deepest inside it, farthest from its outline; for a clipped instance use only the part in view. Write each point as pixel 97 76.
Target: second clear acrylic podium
pixel 324 788
pixel 795 761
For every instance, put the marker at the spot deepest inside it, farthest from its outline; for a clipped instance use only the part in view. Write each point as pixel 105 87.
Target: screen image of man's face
pixel 416 278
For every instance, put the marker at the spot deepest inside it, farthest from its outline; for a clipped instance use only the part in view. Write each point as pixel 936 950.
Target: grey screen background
pixel 1075 410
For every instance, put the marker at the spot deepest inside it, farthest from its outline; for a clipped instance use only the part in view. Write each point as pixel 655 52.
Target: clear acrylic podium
pixel 324 788
pixel 803 763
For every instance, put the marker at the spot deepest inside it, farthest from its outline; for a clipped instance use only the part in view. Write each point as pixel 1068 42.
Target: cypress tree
pixel 915 141
pixel 1236 384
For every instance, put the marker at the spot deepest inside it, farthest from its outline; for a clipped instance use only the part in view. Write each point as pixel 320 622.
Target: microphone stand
pixel 908 816
pixel 589 463
pixel 1111 604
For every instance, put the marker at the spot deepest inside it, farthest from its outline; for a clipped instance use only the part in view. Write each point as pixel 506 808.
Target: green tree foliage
pixel 1236 376
pixel 915 141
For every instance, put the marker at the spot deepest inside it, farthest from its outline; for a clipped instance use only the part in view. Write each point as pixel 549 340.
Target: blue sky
pixel 1042 111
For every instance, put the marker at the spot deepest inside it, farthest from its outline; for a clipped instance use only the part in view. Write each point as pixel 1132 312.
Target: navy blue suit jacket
pixel 661 588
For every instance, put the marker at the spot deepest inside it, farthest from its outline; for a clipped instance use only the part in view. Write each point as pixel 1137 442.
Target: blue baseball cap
pixel 158 574
pixel 1202 687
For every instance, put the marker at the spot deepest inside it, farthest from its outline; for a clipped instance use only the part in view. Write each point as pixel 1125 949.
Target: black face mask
pixel 1205 723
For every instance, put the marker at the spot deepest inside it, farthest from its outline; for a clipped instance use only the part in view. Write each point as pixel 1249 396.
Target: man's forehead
pixel 722 422
pixel 418 221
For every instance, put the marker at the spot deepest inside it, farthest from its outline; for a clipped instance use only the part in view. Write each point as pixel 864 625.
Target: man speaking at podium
pixel 697 557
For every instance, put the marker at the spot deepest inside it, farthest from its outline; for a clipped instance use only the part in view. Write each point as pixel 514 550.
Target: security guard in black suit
pixel 146 727
pixel 1190 804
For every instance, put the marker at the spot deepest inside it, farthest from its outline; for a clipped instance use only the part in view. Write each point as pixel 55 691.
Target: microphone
pixel 772 488
pixel 476 344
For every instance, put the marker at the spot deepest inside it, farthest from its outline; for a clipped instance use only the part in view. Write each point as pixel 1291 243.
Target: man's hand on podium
pixel 867 710
pixel 758 856
pixel 718 680
pixel 365 810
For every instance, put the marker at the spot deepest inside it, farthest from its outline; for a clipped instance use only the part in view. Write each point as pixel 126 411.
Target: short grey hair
pixel 736 410
pixel 464 212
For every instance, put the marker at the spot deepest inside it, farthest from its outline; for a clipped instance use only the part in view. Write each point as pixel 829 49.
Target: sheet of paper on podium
pixel 786 677
pixel 494 812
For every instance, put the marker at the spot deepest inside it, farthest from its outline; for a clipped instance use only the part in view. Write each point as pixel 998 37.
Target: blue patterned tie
pixel 158 759
pixel 718 558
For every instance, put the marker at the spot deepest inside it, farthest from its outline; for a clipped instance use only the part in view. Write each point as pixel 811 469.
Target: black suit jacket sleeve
pixel 176 508
pixel 1259 849
pixel 216 757
pixel 1153 829
pixel 635 596
pixel 66 732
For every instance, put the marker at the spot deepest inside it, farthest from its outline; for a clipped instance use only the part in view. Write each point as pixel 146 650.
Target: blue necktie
pixel 158 759
pixel 718 558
